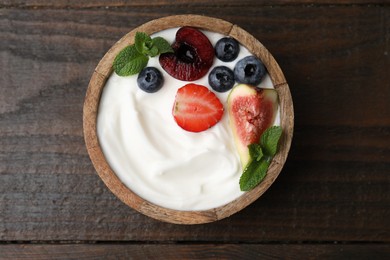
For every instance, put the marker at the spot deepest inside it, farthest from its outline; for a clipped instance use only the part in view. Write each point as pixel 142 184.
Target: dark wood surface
pixel 331 200
pixel 195 251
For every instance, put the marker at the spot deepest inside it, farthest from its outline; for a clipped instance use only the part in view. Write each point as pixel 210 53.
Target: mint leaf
pixel 162 45
pixel 129 61
pixel 132 59
pixel 269 140
pixel 153 51
pixel 254 173
pixel 136 65
pixel 261 156
pixel 142 42
pixel 255 151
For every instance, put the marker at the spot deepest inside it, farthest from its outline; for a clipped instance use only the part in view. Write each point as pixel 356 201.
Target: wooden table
pixel 331 200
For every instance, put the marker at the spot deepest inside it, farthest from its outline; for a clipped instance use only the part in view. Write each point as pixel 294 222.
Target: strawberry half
pixel 196 108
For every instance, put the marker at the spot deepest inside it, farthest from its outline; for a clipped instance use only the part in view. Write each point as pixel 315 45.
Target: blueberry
pixel 227 49
pixel 150 80
pixel 221 78
pixel 249 70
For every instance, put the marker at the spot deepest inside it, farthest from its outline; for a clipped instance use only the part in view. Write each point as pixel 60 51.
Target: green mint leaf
pixel 162 45
pixel 142 42
pixel 152 52
pixel 255 151
pixel 254 173
pixel 132 59
pixel 261 155
pixel 129 61
pixel 269 140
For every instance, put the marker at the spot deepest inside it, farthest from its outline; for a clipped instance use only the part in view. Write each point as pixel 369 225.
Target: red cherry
pixel 193 55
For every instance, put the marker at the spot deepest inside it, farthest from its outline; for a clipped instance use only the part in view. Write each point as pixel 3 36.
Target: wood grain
pixel 138 3
pixel 334 187
pixel 195 251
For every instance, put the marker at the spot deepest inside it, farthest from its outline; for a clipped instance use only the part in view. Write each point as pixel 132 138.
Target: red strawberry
pixel 196 108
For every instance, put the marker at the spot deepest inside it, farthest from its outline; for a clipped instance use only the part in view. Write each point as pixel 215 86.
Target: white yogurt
pixel 157 159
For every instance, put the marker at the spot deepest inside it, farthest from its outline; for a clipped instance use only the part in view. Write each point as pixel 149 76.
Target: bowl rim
pixel 91 104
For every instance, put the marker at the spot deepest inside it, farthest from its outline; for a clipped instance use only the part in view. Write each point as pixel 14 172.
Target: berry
pixel 196 108
pixel 249 70
pixel 192 58
pixel 221 79
pixel 227 49
pixel 150 80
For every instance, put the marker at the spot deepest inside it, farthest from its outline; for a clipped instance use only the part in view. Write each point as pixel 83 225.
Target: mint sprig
pixel 261 155
pixel 253 174
pixel 129 61
pixel 269 140
pixel 132 59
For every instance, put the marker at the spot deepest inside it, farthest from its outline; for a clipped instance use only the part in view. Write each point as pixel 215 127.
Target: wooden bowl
pixel 92 99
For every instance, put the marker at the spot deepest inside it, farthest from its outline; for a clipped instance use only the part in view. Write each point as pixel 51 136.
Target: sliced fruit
pixel 196 108
pixel 227 49
pixel 249 70
pixel 251 112
pixel 150 80
pixel 221 79
pixel 192 58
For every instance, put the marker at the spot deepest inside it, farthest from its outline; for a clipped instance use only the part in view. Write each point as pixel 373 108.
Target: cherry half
pixel 193 55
